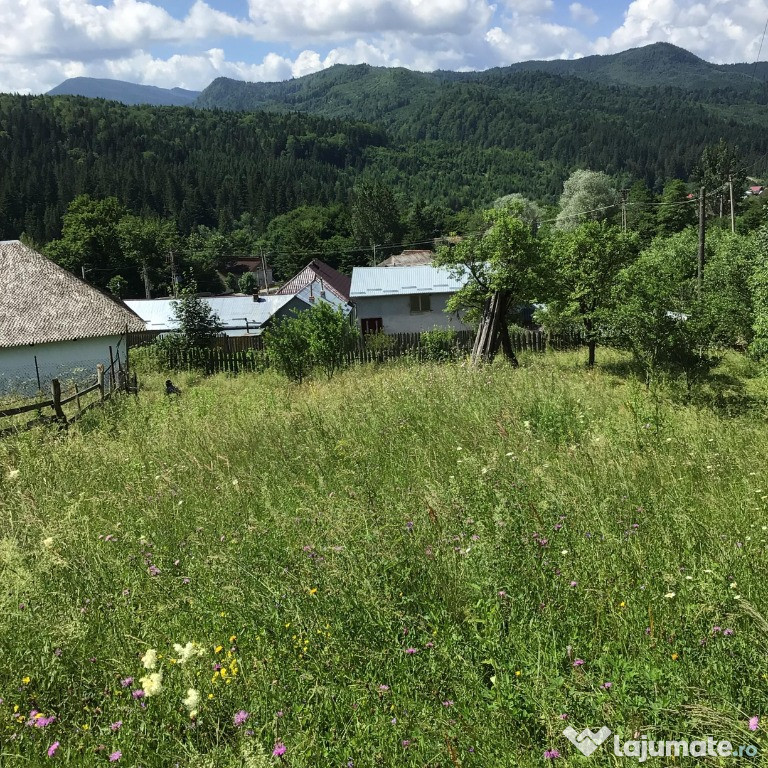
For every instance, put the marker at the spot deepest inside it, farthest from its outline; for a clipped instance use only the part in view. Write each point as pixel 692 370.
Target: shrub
pixel 439 345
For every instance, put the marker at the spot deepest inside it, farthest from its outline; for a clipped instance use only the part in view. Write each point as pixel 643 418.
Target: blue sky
pixel 190 42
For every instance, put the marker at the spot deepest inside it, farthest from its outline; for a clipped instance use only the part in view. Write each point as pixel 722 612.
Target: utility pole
pixel 702 236
pixel 264 269
pixel 174 278
pixel 145 275
pixel 623 210
pixel 83 271
pixel 733 214
pixel 374 255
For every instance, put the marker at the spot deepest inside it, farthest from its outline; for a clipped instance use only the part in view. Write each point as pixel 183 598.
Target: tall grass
pixel 399 567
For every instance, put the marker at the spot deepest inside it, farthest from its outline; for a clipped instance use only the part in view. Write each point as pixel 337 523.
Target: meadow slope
pixel 403 566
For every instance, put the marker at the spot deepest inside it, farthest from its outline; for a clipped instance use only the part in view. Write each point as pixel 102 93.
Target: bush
pixel 439 345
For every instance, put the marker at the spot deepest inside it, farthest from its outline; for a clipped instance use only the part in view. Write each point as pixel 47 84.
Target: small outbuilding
pixel 53 324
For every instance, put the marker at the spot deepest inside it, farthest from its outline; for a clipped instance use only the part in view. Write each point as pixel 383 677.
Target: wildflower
pixel 383 688
pixel 153 570
pixel 564 716
pixel 448 703
pixel 138 694
pixel 551 754
pixel 152 684
pixel 218 649
pixel 578 662
pixel 574 584
pixel 192 700
pixel 518 673
pixel 715 630
pixel 279 749
pixel 149 659
pixel 406 743
pixel 675 657
pixel 754 723
pixel 607 685
pixel 411 651
pixel 52 749
pixel 669 595
pixel 48 543
pixel 116 725
pixel 12 474
pixel 733 585
pixel 115 756
pixel 42 722
pixel 241 717
pixel 313 591
pixel 564 552
pixel 186 652
pixel 126 681
pixel 727 632
pixel 429 645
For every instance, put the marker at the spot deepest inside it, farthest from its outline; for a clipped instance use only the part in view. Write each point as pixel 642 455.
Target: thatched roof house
pixel 52 324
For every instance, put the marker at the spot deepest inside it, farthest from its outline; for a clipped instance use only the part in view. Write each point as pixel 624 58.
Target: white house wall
pixel 395 313
pixel 64 360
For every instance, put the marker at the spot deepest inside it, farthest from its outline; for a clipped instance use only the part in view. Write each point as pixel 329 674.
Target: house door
pixel 371 325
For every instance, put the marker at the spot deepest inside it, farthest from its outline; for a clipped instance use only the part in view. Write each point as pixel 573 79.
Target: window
pixel 371 325
pixel 421 302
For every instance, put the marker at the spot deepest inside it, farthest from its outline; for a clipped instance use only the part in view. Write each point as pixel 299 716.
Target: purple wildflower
pixel 574 584
pixel 153 570
pixel 383 688
pixel 551 754
pixel 578 662
pixel 607 686
pixel 502 593
pixel 409 525
pixel 411 651
pixel 754 723
pixel 279 749
pixel 138 694
pixel 115 756
pixel 564 716
pixel 117 725
pixel 406 743
pixel 42 722
pixel 715 630
pixel 448 703
pixel 429 645
pixel 727 632
pixel 52 749
pixel 241 717
pixel 126 681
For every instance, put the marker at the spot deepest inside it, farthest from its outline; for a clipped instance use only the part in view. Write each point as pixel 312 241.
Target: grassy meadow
pixel 403 566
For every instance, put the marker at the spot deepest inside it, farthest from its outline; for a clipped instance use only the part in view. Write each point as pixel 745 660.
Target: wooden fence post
pixel 56 393
pixel 77 399
pixel 100 380
pixel 111 370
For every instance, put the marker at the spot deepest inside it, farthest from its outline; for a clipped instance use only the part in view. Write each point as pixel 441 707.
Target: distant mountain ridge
pixel 339 90
pixel 124 92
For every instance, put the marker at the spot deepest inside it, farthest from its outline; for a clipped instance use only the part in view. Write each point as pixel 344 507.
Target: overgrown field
pixel 403 566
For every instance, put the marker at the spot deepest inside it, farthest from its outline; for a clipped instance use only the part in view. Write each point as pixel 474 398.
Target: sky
pixel 188 43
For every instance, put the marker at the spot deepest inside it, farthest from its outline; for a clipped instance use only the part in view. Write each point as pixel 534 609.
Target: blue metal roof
pixel 387 281
pixel 234 312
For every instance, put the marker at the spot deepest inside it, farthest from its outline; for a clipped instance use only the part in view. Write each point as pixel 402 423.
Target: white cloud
pixel 717 30
pixel 582 14
pixel 297 19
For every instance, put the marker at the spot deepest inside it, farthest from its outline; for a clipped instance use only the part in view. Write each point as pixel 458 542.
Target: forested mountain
pixel 194 166
pixel 124 92
pixel 351 90
pixel 453 139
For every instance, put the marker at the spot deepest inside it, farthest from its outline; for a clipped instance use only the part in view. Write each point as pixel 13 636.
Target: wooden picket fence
pixel 250 353
pixel 109 381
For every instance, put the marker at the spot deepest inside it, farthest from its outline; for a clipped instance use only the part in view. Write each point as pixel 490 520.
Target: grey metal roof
pixel 386 281
pixel 41 302
pixel 234 312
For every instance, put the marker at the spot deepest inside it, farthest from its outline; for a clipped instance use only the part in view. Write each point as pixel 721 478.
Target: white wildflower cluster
pixel 149 659
pixel 186 652
pixel 152 684
pixel 192 702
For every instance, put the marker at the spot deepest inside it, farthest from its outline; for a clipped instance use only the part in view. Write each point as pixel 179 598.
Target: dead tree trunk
pixel 493 332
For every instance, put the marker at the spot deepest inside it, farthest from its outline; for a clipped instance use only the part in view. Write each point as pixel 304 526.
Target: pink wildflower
pixel 52 749
pixel 279 749
pixel 115 756
pixel 754 723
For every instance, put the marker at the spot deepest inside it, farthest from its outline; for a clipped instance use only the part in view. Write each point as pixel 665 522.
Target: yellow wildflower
pixel 26 680
pixel 313 591
pixel 218 649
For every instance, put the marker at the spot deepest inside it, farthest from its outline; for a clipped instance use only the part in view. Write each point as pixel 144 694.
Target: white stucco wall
pixel 396 315
pixel 65 360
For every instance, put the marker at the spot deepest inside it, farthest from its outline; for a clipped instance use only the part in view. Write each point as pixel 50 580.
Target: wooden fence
pixel 108 382
pixel 253 355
